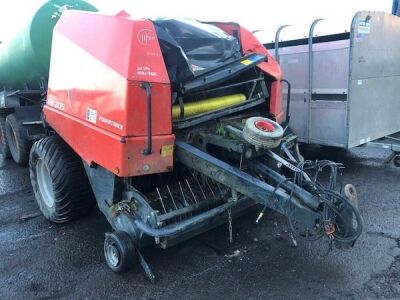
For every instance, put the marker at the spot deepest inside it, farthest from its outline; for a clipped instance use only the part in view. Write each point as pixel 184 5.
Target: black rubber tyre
pixel 119 251
pixel 4 149
pixel 396 161
pixel 59 181
pixel 19 147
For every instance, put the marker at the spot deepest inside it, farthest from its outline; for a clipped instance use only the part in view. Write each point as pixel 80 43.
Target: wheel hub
pixel 45 183
pixel 11 139
pixel 113 255
pixel 264 126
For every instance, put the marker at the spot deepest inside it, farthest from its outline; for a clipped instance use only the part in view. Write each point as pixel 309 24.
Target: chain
pixel 230 226
pixel 241 160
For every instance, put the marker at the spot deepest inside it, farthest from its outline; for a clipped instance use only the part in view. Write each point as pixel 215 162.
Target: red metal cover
pixel 95 101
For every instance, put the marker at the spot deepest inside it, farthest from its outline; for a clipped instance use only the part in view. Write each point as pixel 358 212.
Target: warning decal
pixel 91 115
pixel 167 150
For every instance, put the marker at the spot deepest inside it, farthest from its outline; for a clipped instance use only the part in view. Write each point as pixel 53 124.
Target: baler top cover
pixel 143 62
pixel 190 47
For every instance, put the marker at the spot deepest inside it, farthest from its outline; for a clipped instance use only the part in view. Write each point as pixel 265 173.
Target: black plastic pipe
pixel 288 100
pixel 147 87
pixel 307 199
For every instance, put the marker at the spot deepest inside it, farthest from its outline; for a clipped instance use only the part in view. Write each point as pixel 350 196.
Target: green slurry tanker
pixel 24 69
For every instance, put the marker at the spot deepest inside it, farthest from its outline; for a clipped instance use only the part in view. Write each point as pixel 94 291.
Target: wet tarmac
pixel 40 260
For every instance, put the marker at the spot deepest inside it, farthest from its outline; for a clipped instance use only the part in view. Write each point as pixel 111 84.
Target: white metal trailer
pixel 345 88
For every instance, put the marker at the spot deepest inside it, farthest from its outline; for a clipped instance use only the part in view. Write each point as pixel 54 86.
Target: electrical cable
pixel 335 208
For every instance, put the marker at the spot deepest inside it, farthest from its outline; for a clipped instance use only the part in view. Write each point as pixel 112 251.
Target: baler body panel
pixel 99 146
pixel 96 90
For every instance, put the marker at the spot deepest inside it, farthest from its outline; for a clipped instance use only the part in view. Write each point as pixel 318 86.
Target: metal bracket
pixel 146 267
pixel 277 35
pixel 310 74
pixel 247 185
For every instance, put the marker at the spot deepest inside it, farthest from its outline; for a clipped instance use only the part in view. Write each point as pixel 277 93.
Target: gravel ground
pixel 42 260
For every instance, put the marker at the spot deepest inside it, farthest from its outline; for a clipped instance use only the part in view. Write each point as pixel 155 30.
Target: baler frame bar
pixel 224 87
pixel 261 192
pixel 308 199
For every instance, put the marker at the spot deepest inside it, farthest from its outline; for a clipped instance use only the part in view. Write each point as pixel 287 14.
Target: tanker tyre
pixel 59 181
pixel 4 149
pixel 19 147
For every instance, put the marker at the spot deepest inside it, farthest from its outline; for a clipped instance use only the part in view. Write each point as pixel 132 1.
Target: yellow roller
pixel 206 105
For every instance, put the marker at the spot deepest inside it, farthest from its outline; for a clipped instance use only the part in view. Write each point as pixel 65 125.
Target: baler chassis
pixel 204 190
pixel 21 122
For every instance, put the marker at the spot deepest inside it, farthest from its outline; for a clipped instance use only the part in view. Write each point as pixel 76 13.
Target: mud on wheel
pixel 18 146
pixel 59 181
pixel 4 149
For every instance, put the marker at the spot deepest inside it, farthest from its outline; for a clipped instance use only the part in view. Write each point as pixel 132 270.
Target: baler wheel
pixel 19 147
pixel 4 149
pixel 119 251
pixel 396 161
pixel 59 181
pixel 262 132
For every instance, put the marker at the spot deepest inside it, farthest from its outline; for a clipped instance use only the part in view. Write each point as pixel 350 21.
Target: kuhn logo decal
pixel 145 36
